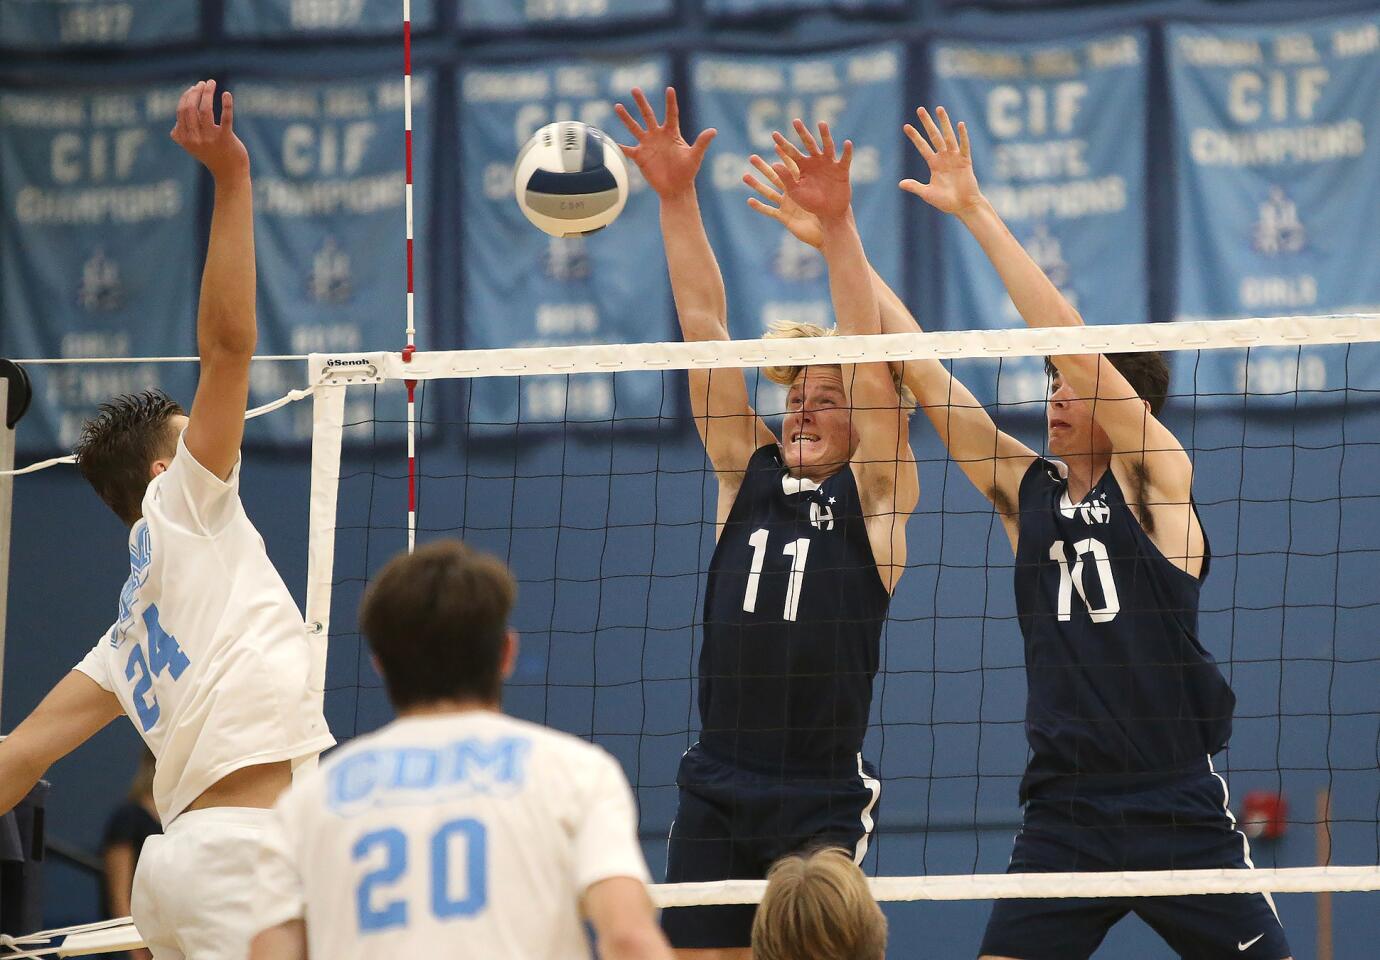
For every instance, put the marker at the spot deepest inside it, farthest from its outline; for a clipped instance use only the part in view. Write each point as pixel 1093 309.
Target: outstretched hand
pixel 668 163
pixel 816 180
pixel 953 187
pixel 197 132
pixel 802 224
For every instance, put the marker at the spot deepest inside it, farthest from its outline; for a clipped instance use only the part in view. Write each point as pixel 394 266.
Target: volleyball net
pixel 580 466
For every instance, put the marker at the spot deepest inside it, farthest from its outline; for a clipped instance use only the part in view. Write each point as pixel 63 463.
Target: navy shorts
pixel 733 824
pixel 1180 825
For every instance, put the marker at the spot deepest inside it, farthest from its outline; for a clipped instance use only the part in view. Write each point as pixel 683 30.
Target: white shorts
pixel 194 886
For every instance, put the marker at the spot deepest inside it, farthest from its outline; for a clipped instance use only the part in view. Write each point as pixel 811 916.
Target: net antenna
pixel 411 332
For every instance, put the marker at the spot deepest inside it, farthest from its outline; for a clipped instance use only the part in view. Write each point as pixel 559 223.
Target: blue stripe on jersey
pixel 793 616
pixel 1118 683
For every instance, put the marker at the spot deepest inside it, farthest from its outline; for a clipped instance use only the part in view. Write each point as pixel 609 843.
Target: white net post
pixel 6 506
pixel 328 429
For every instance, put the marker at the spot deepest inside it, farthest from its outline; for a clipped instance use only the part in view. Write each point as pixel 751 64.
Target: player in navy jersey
pixel 810 543
pixel 1125 706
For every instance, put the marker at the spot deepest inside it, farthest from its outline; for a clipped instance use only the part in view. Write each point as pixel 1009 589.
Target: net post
pixel 6 506
pixel 327 435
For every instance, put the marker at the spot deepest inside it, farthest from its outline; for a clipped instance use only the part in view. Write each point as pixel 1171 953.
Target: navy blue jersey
pixel 793 616
pixel 1118 683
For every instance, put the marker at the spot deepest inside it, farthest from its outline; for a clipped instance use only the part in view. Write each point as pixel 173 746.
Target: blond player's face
pixel 817 433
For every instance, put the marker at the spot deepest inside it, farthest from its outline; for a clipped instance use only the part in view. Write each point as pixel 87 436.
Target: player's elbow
pixel 634 941
pixel 703 325
pixel 228 346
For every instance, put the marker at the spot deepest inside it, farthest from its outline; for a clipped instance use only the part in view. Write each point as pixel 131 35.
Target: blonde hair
pixel 787 375
pixel 818 906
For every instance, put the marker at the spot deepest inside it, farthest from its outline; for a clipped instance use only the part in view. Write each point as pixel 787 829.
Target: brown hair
pixel 786 375
pixel 119 444
pixel 1147 373
pixel 818 906
pixel 436 620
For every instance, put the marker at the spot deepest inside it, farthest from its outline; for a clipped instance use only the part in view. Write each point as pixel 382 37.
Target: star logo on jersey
pixel 821 516
pixel 1095 512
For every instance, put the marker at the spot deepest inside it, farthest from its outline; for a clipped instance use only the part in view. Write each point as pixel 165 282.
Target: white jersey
pixel 209 654
pixel 465 834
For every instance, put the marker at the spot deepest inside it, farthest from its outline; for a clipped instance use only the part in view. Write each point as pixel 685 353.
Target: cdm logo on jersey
pixel 404 776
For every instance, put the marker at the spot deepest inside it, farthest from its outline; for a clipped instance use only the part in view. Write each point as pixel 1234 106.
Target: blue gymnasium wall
pixel 1303 666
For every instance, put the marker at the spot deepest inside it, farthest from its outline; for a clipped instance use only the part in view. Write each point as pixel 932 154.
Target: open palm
pixel 953 186
pixel 817 180
pixel 668 163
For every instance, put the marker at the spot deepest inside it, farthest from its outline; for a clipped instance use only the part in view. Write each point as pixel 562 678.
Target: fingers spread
pixel 931 130
pixel 920 142
pixel 787 178
pixel 672 108
pixel 963 145
pixel 826 139
pixel 227 110
pixel 913 186
pixel 805 136
pixel 847 159
pixel 761 188
pixel 947 129
pixel 787 150
pixel 633 126
pixel 765 169
pixel 763 209
pixel 643 106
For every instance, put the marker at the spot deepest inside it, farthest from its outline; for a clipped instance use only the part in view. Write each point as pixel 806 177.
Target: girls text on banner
pixel 1278 184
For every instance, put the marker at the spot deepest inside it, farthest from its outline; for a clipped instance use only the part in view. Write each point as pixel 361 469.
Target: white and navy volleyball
pixel 570 179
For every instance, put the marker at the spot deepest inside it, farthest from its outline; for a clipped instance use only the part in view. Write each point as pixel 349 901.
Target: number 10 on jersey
pixel 797 550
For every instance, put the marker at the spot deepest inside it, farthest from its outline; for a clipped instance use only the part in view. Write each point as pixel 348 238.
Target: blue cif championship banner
pixel 523 288
pixel 99 220
pixel 1279 184
pixel 321 18
pixel 58 24
pixel 768 273
pixel 1058 137
pixel 329 206
pixel 523 14
pixel 750 8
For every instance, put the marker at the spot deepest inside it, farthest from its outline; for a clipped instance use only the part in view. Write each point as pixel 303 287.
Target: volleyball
pixel 570 179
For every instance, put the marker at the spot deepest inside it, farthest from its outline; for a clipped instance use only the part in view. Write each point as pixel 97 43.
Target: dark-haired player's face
pixel 817 432
pixel 1072 431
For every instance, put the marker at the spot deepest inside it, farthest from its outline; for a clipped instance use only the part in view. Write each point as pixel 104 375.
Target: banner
pixel 58 24
pixel 321 18
pixel 330 216
pixel 1058 137
pixel 749 8
pixel 524 288
pixel 99 216
pixel 525 14
pixel 768 273
pixel 1278 187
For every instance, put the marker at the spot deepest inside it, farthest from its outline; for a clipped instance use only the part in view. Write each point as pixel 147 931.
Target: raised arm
pixel 71 713
pixel 818 182
pixel 992 460
pixel 1139 440
pixel 727 424
pixel 225 325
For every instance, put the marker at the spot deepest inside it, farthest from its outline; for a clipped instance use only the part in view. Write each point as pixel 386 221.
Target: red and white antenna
pixel 411 346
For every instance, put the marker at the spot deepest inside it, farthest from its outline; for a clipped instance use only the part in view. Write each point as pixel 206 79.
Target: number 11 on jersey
pixel 797 550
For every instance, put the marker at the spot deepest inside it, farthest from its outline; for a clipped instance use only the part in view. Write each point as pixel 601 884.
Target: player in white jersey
pixel 208 655
pixel 454 830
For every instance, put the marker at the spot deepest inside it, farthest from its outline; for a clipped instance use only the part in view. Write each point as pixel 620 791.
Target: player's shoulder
pixel 1042 474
